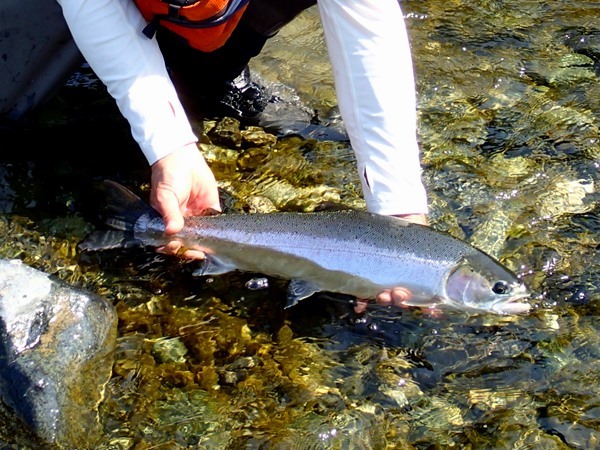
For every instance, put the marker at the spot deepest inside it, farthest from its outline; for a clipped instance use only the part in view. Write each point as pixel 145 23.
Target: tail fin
pixel 108 239
pixel 123 209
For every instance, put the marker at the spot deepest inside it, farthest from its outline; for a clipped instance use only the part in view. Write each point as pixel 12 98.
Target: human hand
pixel 395 296
pixel 182 185
pixel 419 218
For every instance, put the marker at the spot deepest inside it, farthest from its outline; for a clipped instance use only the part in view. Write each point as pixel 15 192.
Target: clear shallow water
pixel 509 115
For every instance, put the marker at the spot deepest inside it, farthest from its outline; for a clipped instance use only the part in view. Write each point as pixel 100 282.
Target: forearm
pixel 109 35
pixel 370 53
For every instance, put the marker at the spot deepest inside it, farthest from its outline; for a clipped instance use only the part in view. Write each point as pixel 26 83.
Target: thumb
pixel 169 209
pixel 173 223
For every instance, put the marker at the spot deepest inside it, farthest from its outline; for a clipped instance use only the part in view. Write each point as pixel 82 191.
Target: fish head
pixel 480 283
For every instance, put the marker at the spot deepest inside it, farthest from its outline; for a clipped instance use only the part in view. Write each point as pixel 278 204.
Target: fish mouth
pixel 515 304
pixel 511 307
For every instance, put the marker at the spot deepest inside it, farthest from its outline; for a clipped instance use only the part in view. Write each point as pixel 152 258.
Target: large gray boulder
pixel 56 354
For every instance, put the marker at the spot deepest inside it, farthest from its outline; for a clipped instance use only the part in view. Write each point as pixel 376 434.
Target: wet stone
pixel 55 354
pixel 258 204
pixel 253 158
pixel 169 350
pixel 257 137
pixel 226 132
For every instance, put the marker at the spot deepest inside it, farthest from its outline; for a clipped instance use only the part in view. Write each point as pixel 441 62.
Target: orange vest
pixel 205 24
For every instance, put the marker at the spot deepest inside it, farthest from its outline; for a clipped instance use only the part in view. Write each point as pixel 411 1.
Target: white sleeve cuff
pixel 372 67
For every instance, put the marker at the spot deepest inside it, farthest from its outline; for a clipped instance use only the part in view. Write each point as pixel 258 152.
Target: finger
pixel 176 248
pixel 193 254
pixel 361 306
pixel 171 248
pixel 399 295
pixel 414 218
pixel 384 297
pixel 168 207
pixel 173 223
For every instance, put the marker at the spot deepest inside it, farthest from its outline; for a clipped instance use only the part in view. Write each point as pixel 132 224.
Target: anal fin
pixel 211 265
pixel 299 290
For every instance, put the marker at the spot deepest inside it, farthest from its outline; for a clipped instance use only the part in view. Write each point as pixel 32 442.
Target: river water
pixel 509 127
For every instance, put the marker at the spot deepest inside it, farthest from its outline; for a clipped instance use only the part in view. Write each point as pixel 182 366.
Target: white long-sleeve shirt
pixel 371 59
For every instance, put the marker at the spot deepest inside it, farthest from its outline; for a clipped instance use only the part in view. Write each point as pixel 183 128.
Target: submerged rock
pixel 55 354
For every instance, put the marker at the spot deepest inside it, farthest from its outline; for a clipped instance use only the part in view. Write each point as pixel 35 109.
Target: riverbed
pixel 509 130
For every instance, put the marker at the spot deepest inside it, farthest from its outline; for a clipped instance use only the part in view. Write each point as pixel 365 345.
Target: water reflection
pixel 509 129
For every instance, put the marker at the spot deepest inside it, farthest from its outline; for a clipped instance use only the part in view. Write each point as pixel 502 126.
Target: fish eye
pixel 500 287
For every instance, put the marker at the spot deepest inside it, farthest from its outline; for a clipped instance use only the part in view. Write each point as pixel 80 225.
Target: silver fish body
pixel 350 252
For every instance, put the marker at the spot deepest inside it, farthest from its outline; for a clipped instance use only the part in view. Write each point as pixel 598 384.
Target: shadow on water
pixel 509 129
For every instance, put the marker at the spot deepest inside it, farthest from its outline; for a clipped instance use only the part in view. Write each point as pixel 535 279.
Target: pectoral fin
pixel 421 302
pixel 211 265
pixel 299 290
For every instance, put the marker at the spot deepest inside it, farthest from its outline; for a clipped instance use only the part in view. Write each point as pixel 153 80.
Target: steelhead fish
pixel 349 252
